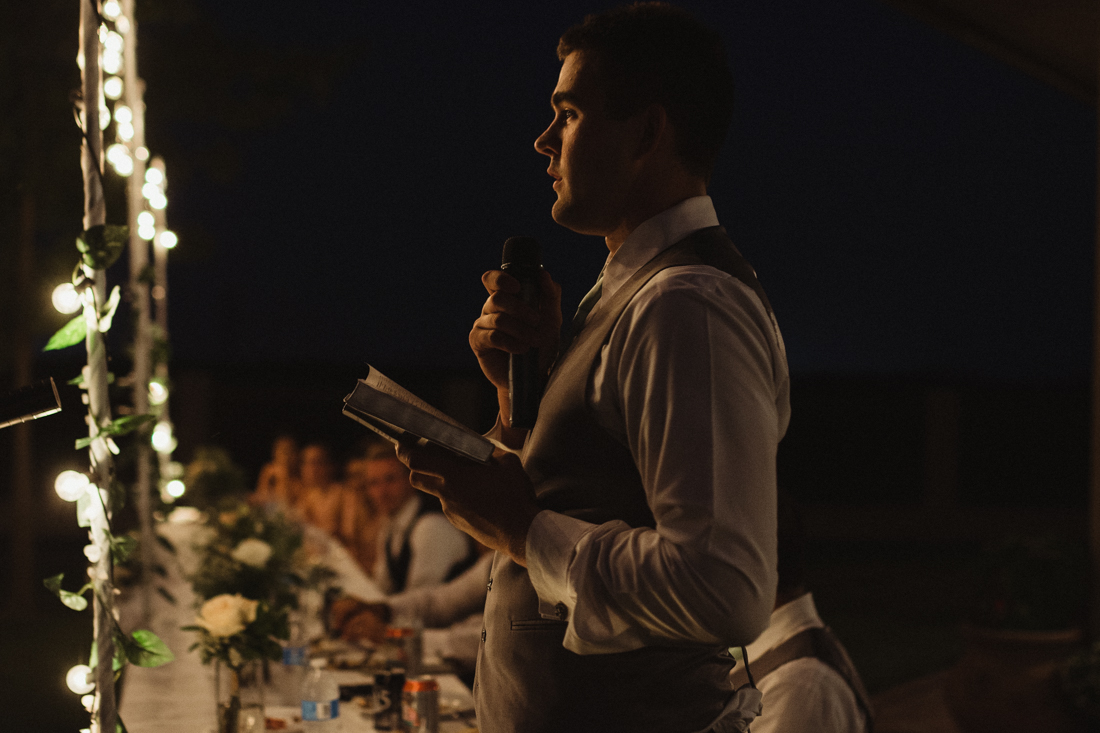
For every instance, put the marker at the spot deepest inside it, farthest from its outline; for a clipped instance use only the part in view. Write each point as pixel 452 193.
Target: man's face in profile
pixel 591 155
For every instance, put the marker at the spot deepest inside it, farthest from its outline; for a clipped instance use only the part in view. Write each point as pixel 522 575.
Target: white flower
pixel 252 552
pixel 226 615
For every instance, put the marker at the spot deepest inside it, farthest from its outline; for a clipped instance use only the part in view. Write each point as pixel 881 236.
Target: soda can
pixel 420 705
pixel 390 686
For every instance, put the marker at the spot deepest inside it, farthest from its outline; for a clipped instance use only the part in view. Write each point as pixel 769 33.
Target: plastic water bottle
pixel 292 671
pixel 320 699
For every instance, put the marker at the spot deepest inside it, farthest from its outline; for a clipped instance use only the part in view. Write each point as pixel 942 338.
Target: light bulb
pixel 124 113
pixel 167 239
pixel 79 679
pixel 124 166
pixel 88 701
pixel 113 42
pixel 154 176
pixel 158 393
pixel 175 488
pixel 142 153
pixel 147 233
pixel 65 299
pixel 111 9
pixel 125 131
pixel 146 219
pixel 71 485
pixel 123 25
pixel 116 152
pixel 112 87
pixel 104 118
pixel 163 440
pixel 158 202
pixel 149 190
pixel 112 61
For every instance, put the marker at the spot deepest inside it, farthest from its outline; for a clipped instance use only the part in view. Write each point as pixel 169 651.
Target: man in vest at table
pixel 636 530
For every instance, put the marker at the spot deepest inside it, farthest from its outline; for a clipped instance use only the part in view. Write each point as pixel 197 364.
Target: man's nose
pixel 547 143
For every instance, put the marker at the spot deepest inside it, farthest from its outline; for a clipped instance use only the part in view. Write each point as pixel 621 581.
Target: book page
pixel 384 384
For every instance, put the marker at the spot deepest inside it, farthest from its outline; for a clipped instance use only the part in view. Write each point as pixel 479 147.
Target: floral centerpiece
pixel 238 633
pixel 250 568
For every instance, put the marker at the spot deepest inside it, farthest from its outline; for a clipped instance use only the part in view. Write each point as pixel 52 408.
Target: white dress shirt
pixel 806 695
pixel 694 381
pixel 434 543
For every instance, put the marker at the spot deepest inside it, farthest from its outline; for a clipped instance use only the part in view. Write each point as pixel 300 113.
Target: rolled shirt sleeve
pixel 694 381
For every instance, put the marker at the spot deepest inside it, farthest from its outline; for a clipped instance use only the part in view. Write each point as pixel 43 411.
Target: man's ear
pixel 656 130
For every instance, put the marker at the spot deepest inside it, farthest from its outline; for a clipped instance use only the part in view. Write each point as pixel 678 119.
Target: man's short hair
pixel 652 52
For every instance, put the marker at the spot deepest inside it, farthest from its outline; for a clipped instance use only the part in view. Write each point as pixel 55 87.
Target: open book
pixel 393 412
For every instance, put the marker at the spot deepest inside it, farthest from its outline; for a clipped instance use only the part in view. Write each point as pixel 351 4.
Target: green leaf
pixel 75 601
pixel 101 245
pixel 82 505
pixel 78 380
pixel 122 547
pixel 120 426
pixel 71 334
pixel 145 649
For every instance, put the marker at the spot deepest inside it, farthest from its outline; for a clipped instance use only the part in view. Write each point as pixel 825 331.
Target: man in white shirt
pixel 636 537
pixel 417 546
pixel 808 682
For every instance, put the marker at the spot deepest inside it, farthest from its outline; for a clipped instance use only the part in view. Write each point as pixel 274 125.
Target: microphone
pixel 29 403
pixel 521 260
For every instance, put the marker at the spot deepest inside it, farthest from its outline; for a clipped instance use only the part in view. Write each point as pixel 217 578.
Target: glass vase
pixel 240 693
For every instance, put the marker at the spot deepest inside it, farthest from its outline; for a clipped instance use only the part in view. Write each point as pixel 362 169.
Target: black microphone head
pixel 521 252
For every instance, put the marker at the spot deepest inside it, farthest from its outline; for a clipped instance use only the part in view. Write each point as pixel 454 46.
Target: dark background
pixel 341 173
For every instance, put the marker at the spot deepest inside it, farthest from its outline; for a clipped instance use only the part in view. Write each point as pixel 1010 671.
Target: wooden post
pixel 105 712
pixel 139 294
pixel 1094 443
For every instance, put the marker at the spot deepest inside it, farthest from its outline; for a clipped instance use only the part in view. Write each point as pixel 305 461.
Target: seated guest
pixel 417 546
pixel 451 614
pixel 359 519
pixel 324 503
pixel 807 681
pixel 279 484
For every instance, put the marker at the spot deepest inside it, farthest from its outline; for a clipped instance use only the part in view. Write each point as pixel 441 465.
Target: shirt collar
pixel 786 621
pixel 655 235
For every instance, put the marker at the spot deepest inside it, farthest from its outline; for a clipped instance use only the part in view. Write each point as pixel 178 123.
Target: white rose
pixel 226 615
pixel 252 552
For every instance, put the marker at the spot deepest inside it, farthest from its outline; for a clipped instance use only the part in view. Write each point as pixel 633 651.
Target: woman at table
pixel 279 484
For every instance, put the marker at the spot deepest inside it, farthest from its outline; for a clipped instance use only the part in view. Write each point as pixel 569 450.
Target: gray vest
pixel 527 682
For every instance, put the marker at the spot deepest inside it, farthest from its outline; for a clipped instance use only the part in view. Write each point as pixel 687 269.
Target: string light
pixel 79 679
pixel 112 87
pixel 104 117
pixel 118 155
pixel 112 61
pixel 150 190
pixel 124 113
pixel 154 176
pixel 158 202
pixel 113 42
pixel 111 9
pixel 146 219
pixel 142 153
pixel 88 701
pixel 175 488
pixel 163 440
pixel 71 485
pixel 123 25
pixel 167 239
pixel 65 299
pixel 158 393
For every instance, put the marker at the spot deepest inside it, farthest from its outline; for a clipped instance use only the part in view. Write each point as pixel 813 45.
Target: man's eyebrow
pixel 561 97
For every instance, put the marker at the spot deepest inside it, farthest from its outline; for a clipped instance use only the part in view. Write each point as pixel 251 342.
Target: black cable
pixel 745 659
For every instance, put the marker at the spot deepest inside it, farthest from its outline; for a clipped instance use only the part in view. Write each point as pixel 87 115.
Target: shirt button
pixel 490 585
pixel 561 611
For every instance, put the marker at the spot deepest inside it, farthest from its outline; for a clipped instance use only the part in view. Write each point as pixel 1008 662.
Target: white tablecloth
pixel 179 697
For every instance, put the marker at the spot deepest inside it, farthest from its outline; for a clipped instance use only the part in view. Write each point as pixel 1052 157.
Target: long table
pixel 179 697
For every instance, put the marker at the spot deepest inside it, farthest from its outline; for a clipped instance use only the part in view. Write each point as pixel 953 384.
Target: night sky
pixel 911 205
